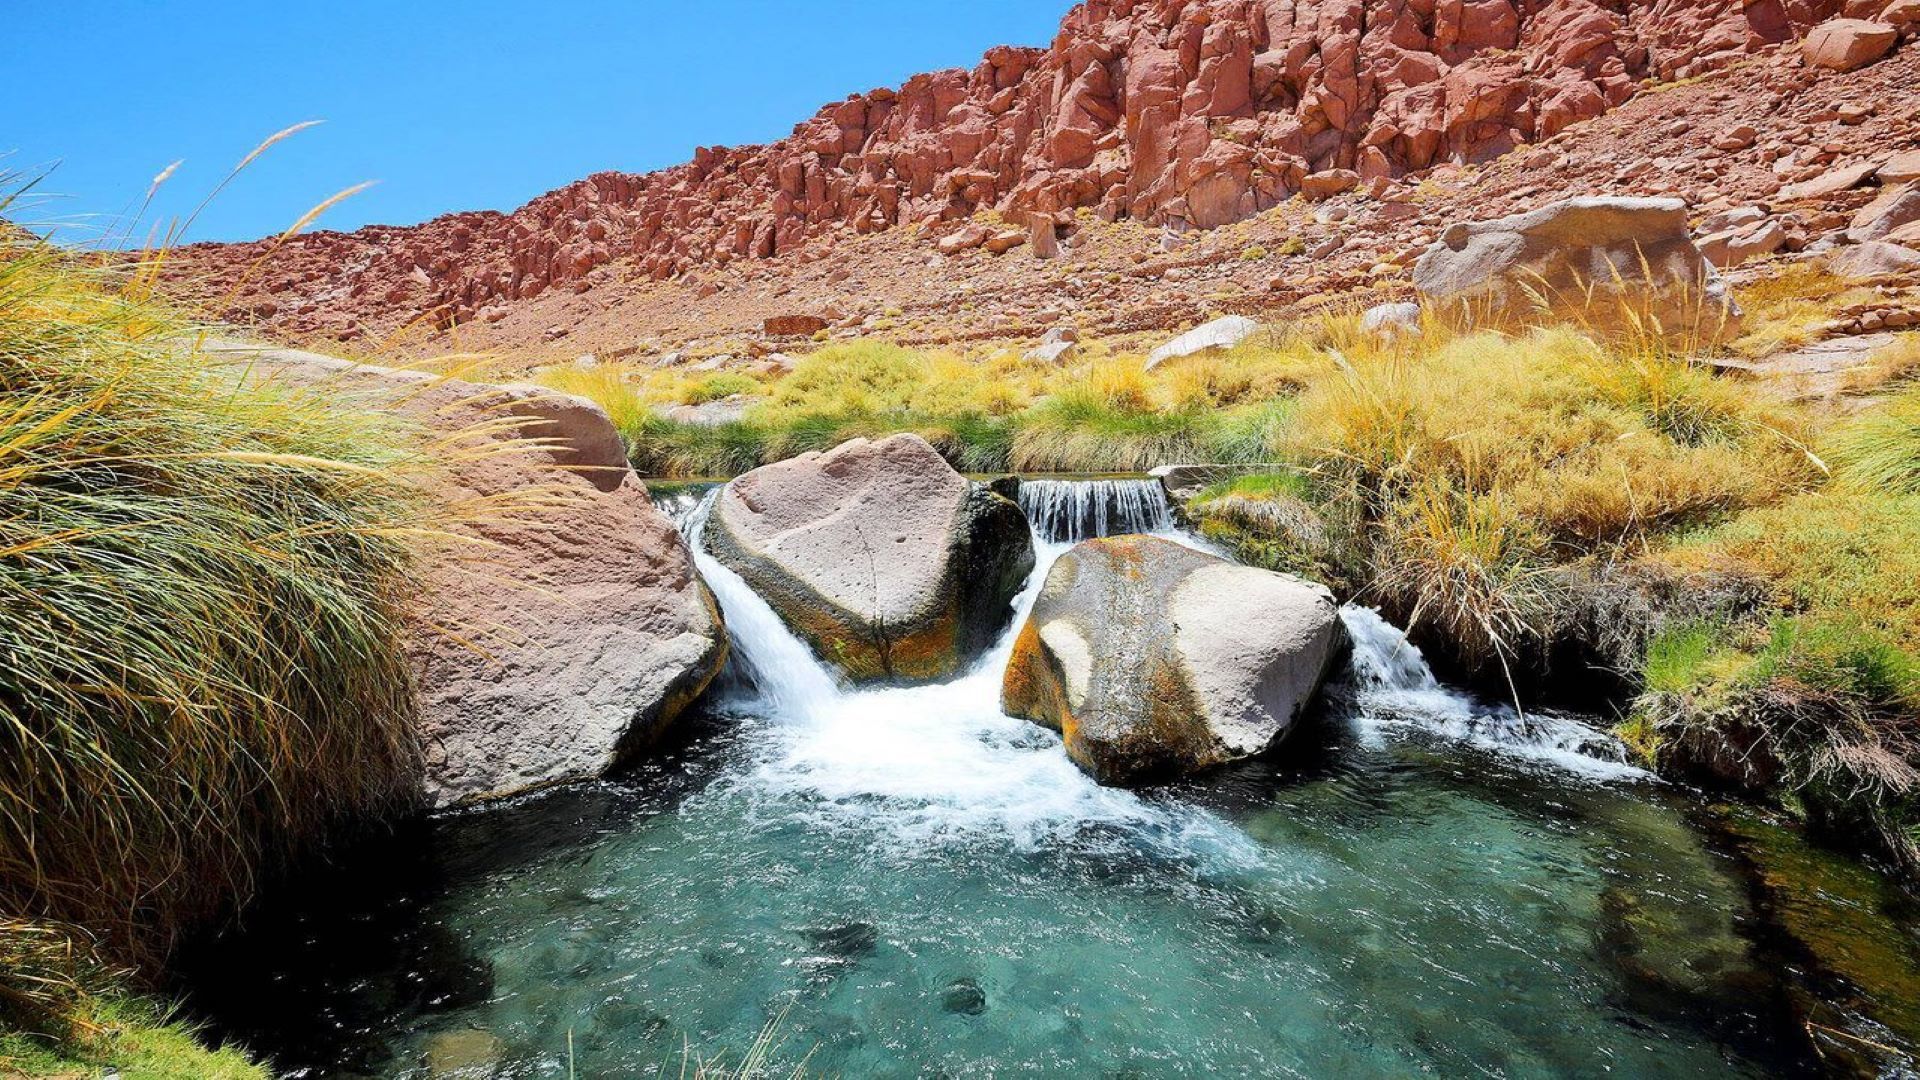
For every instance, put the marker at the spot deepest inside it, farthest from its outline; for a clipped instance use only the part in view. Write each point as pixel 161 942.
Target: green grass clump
pixel 1678 657
pixel 1880 451
pixel 135 1039
pixel 203 581
pixel 718 387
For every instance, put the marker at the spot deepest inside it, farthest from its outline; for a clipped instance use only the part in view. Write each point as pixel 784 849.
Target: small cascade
pixel 1392 684
pixel 1069 511
pixel 769 670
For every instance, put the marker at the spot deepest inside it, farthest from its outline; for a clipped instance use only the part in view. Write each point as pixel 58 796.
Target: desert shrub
pixel 852 377
pixel 202 586
pixel 1478 463
pixel 609 386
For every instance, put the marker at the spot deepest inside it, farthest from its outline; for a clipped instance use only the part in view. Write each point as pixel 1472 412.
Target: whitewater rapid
pixel 942 762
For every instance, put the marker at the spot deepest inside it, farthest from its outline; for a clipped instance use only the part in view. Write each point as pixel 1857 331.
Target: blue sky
pixel 449 106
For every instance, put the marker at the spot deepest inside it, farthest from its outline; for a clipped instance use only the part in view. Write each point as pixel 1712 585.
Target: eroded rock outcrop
pixel 1187 113
pixel 888 562
pixel 551 641
pixel 1153 660
pixel 1595 259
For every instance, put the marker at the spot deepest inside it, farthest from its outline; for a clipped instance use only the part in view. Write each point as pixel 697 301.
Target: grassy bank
pixel 1818 690
pixel 988 413
pixel 202 582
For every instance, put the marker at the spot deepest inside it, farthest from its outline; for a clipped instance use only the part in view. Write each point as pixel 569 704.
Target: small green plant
pixel 1253 253
pixel 1880 451
pixel 718 387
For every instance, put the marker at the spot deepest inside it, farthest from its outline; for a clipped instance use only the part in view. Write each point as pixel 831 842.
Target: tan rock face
pixel 1180 112
pixel 549 646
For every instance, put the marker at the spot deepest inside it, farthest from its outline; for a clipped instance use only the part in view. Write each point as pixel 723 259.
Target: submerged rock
pixel 548 646
pixel 887 561
pixel 1152 659
pixel 1590 259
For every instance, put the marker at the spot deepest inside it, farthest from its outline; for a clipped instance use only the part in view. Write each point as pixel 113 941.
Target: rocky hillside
pixel 1180 114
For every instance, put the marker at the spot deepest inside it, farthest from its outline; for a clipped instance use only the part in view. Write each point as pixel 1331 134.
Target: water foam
pixel 1392 685
pixel 921 764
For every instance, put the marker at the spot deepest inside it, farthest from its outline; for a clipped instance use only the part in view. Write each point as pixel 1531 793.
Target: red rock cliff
pixel 1182 112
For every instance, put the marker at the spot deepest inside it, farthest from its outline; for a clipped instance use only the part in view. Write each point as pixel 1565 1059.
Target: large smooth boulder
pixel 1153 660
pixel 1847 44
pixel 887 561
pixel 1593 259
pixel 551 641
pixel 1218 335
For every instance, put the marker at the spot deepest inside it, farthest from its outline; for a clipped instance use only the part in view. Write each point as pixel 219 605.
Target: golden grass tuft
pixel 202 585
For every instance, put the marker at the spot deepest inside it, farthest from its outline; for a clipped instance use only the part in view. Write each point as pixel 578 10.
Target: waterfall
pixel 1069 511
pixel 1390 684
pixel 919 764
pixel 769 669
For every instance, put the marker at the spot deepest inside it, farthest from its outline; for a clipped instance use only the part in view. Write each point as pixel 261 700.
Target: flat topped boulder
pixel 547 646
pixel 1594 259
pixel 887 561
pixel 1218 335
pixel 1846 44
pixel 1153 660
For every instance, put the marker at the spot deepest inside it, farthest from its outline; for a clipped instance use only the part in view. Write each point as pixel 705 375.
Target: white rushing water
pixel 1069 511
pixel 921 763
pixel 1392 685
pixel 942 761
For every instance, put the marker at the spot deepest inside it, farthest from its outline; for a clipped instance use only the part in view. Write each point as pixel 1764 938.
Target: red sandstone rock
pixel 1175 112
pixel 1846 44
pixel 794 325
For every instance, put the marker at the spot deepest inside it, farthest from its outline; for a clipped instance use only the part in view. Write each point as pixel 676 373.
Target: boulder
pixel 1043 234
pixel 965 239
pixel 1831 182
pixel 1628 253
pixel 549 645
pixel 1895 207
pixel 1901 168
pixel 1051 352
pixel 1005 240
pixel 1061 344
pixel 1847 44
pixel 1223 333
pixel 1735 246
pixel 1875 258
pixel 1154 660
pixel 1389 320
pixel 1325 185
pixel 795 325
pixel 881 556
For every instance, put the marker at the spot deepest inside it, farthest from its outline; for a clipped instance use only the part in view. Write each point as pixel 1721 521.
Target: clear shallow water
pixel 916 885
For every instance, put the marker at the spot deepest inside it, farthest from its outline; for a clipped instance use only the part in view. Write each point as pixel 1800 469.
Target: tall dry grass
pixel 202 584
